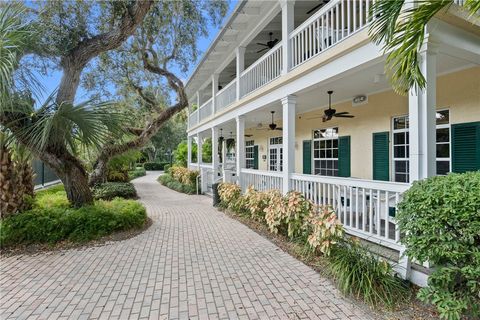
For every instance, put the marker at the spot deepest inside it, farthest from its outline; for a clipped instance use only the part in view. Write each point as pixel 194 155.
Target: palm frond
pixel 56 126
pixel 401 31
pixel 473 7
pixel 14 37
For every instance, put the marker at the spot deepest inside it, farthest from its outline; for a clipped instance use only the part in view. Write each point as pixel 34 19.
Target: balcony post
pixel 199 150
pixel 214 92
pixel 240 53
pixel 287 28
pixel 189 151
pixel 288 136
pixel 215 158
pixel 198 107
pixel 422 118
pixel 240 145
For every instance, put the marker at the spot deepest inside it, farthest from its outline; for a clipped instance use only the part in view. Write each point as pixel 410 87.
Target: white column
pixel 215 159
pixel 198 107
pixel 189 152
pixel 287 28
pixel 240 145
pixel 214 92
pixel 422 119
pixel 240 52
pixel 199 150
pixel 288 134
pixel 224 155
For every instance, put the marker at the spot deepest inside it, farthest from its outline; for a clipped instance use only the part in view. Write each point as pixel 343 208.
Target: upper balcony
pixel 257 54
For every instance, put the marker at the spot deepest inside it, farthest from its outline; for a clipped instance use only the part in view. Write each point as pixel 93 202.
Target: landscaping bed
pixel 393 305
pixel 180 179
pixel 52 223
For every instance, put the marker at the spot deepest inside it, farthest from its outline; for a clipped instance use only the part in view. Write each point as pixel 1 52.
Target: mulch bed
pixel 32 249
pixel 414 309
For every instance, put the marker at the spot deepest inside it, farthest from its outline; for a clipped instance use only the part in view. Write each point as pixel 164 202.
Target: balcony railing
pixel 366 208
pixel 193 119
pixel 206 110
pixel 261 180
pixel 263 71
pixel 336 21
pixel 330 25
pixel 227 95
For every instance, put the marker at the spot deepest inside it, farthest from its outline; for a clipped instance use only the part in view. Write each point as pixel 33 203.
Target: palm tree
pixel 52 132
pixel 401 31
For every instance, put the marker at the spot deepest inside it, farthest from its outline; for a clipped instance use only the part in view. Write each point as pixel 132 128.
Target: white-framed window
pixel 401 145
pixel 249 154
pixel 275 154
pixel 325 152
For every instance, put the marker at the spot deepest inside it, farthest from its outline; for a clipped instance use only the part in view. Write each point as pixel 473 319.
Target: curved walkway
pixel 193 263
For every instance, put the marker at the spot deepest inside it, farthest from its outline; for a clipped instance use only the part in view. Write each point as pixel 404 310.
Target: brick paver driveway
pixel 193 262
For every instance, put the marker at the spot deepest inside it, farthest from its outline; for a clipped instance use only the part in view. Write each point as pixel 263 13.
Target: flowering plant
pixel 325 229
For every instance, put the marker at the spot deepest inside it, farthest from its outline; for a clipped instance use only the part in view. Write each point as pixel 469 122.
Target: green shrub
pixel 167 167
pixel 168 181
pixel 440 218
pixel 53 197
pixel 154 165
pixel 110 190
pixel 136 173
pixel 359 273
pixel 118 166
pixel 54 224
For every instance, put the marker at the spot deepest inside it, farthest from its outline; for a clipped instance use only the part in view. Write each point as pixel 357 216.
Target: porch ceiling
pixel 369 80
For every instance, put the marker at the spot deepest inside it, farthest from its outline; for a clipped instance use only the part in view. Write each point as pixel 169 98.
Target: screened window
pixel 249 154
pixel 325 152
pixel 401 145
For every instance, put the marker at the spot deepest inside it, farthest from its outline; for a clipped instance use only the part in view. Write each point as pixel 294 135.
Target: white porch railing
pixel 262 71
pixel 206 110
pixel 334 22
pixel 227 95
pixel 366 208
pixel 260 180
pixel 193 118
pixel 207 175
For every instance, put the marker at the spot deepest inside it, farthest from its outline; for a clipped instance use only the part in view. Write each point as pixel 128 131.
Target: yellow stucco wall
pixel 459 92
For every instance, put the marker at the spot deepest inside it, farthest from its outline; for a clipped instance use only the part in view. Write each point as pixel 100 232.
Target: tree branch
pixel 77 58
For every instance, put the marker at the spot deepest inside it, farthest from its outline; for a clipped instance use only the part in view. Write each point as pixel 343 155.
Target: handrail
pixel 262 172
pixel 354 182
pixel 314 17
pixel 263 57
pixel 231 83
pixel 205 103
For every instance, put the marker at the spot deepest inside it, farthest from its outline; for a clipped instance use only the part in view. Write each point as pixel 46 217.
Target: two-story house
pixel 294 96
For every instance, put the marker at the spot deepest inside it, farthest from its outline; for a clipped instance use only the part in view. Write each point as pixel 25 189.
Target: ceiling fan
pixel 323 2
pixel 330 113
pixel 269 45
pixel 271 126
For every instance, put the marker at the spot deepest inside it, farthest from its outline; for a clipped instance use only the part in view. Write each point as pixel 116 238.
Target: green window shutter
pixel 344 156
pixel 466 147
pixel 255 157
pixel 381 161
pixel 307 157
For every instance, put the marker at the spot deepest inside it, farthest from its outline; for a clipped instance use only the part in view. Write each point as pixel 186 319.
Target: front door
pixel 275 153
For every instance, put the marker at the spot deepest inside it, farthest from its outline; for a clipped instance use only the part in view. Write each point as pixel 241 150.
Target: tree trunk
pixel 99 173
pixel 72 174
pixel 75 181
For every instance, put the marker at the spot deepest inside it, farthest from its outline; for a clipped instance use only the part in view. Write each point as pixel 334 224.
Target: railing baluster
pixel 387 215
pixel 397 229
pixel 378 213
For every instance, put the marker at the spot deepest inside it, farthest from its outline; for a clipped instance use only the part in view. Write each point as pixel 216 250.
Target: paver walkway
pixel 192 263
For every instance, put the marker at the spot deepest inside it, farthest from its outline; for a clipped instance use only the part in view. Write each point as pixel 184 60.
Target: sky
pixel 52 80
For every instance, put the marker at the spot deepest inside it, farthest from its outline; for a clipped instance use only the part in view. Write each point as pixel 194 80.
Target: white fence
pixel 206 110
pixel 336 21
pixel 227 95
pixel 366 208
pixel 261 180
pixel 262 71
pixel 193 118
